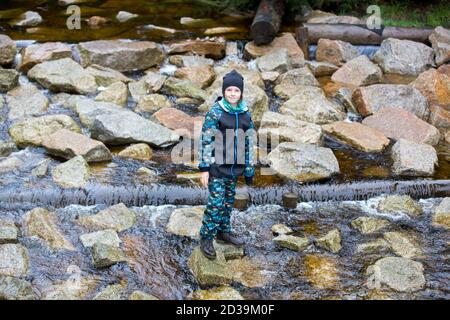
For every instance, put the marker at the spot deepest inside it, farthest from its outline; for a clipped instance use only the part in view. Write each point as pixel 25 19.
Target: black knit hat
pixel 233 78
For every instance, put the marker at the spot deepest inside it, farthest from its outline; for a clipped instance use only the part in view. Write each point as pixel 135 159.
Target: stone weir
pixel 140 195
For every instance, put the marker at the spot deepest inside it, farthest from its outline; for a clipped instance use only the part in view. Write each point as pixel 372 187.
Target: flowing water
pixel 156 259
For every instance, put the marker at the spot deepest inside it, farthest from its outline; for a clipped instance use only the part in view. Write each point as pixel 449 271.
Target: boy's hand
pixel 204 176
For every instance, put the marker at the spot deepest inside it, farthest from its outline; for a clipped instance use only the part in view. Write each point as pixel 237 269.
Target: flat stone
pixel 413 159
pixel 360 136
pixel 336 52
pixel 186 222
pixel 108 237
pixel 331 241
pixel 152 103
pixel 105 76
pixel 26 100
pixel 138 151
pixel 207 48
pixel 404 57
pixel 120 55
pixel 399 274
pixel 7 50
pixel 303 162
pixel 177 120
pixel 38 53
pixel 104 255
pixel 292 242
pixel 14 260
pixel 63 75
pixel 219 293
pixel 117 217
pixel 8 232
pixel 359 71
pixel 403 245
pixel 33 131
pixel 441 216
pixel 68 144
pixel 372 98
pixel 209 272
pixel 400 203
pixel 12 288
pixel 116 93
pixel 440 41
pixel 397 123
pixel 367 225
pixel 73 173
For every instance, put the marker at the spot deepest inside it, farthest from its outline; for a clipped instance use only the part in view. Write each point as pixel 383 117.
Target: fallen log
pixel 267 21
pixel 361 34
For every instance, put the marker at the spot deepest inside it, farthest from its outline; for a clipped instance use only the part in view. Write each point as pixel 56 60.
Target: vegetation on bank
pixel 404 13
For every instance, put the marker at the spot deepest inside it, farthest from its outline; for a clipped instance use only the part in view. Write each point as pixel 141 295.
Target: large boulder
pixel 186 222
pixel 311 107
pixel 374 97
pixel 358 135
pixel 336 52
pixel 367 225
pixel 138 151
pixel 7 50
pixel 38 53
pixel 68 144
pixel 441 216
pixel 116 93
pixel 73 173
pixel 182 123
pixel 9 78
pixel 42 224
pixel 413 159
pixel 404 57
pixel 120 55
pixel 359 71
pixel 63 75
pixel 26 100
pixel 440 41
pixel 203 75
pixel 434 86
pixel 303 162
pixel 105 76
pixel 397 123
pixel 285 40
pixel 207 48
pixel 106 123
pixel 14 260
pixel 33 131
pixel 289 129
pixel 117 217
pixel 399 274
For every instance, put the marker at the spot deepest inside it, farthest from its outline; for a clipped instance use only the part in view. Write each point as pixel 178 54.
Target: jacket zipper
pixel 235 142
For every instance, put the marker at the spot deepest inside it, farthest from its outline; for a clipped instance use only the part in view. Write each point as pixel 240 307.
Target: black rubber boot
pixel 229 238
pixel 207 248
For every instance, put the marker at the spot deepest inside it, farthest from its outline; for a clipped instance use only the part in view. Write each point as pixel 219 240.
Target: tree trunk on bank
pixel 267 21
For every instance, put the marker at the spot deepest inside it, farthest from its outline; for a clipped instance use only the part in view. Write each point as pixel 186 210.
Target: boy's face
pixel 233 94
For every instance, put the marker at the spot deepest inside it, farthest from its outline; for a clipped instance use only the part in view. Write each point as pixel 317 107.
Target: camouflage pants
pixel 219 207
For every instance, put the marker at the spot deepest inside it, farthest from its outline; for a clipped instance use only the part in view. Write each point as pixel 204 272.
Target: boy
pixel 225 153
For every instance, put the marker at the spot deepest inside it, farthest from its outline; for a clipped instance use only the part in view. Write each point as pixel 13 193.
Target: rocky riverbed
pixel 117 114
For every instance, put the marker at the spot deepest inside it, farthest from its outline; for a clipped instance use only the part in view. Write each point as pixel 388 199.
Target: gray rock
pixel 138 151
pixel 68 144
pixel 14 260
pixel 186 222
pixel 63 75
pixel 320 69
pixel 41 169
pixel 399 274
pixel 38 53
pixel 9 78
pixel 413 159
pixel 404 57
pixel 73 173
pixel 367 225
pixel 277 60
pixel 105 76
pixel 336 52
pixel 25 101
pixel 123 16
pixel 116 93
pixel 29 19
pixel 331 241
pixel 400 204
pixel 303 162
pixel 104 255
pixel 344 97
pixel 32 131
pixel 359 71
pixel 184 88
pixel 209 272
pixel 107 237
pixel 441 215
pixel 440 41
pixel 292 242
pixel 120 55
pixel 8 232
pixel 403 245
pixel 42 224
pixel 280 229
pixel 298 76
pixel 66 100
pixel 190 61
pixel 117 217
pixel 12 288
pixel 152 103
pixel 107 125
pixel 7 50
pixel 287 91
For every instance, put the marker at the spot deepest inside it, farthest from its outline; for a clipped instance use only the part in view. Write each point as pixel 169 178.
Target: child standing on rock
pixel 225 153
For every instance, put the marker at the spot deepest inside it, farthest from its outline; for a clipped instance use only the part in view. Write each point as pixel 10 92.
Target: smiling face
pixel 233 95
